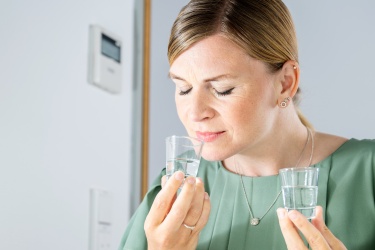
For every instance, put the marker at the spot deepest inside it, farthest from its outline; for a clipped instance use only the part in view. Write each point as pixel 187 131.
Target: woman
pixel 235 67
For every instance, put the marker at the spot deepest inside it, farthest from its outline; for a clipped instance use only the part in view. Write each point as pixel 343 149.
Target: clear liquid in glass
pixel 301 198
pixel 188 166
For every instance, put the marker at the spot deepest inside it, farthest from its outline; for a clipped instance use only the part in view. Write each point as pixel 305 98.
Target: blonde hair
pixel 263 28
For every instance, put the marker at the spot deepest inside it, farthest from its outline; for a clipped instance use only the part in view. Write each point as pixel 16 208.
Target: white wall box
pixel 104 59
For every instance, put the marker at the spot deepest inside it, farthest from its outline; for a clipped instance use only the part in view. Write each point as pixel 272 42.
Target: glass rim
pixel 170 139
pixel 298 169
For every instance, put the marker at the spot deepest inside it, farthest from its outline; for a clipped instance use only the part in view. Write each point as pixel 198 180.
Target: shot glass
pixel 183 153
pixel 300 189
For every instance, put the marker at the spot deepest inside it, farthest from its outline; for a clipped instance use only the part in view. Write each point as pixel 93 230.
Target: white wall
pixel 59 136
pixel 337 51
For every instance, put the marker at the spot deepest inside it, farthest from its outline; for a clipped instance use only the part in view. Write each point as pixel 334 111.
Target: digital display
pixel 111 48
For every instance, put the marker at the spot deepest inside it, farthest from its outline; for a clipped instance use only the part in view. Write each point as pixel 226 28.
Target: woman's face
pixel 224 97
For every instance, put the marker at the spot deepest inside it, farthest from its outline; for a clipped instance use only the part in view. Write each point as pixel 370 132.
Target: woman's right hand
pixel 167 224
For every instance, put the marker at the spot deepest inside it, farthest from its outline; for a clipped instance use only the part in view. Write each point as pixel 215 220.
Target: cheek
pixel 243 111
pixel 246 116
pixel 181 111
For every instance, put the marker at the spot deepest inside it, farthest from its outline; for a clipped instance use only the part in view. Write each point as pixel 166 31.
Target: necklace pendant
pixel 254 221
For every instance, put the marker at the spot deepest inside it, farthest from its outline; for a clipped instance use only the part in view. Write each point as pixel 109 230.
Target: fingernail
pixel 280 213
pixel 206 196
pixel 179 176
pixel 292 215
pixel 191 180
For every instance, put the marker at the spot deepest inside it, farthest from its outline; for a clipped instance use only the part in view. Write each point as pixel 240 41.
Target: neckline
pixel 322 162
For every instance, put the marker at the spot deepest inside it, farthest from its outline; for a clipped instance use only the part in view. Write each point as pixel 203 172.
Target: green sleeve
pixel 134 237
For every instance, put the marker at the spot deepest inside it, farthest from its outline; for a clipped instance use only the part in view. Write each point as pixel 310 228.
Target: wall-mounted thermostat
pixel 104 59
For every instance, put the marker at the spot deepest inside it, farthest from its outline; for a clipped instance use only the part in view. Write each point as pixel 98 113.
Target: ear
pixel 288 80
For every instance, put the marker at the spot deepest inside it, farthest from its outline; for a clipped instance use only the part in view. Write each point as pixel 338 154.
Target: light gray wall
pixel 59 136
pixel 337 51
pixel 163 116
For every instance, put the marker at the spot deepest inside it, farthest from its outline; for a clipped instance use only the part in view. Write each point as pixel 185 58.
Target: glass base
pixel 308 212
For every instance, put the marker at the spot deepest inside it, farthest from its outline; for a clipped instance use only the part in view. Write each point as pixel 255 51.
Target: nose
pixel 200 107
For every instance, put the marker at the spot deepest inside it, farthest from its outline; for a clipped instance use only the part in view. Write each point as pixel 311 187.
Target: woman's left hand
pixel 316 233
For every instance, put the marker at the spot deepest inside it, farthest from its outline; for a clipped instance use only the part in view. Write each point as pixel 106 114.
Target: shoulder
pixel 354 158
pixel 327 145
pixel 360 145
pixel 360 150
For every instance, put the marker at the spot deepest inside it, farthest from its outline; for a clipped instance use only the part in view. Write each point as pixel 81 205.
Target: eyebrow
pixel 211 79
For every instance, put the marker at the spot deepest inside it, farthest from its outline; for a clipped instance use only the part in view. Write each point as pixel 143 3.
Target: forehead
pixel 214 45
pixel 213 55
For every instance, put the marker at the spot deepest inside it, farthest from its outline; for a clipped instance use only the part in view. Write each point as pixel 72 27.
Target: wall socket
pixel 101 202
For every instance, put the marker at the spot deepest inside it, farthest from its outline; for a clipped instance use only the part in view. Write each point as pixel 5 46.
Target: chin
pixel 213 156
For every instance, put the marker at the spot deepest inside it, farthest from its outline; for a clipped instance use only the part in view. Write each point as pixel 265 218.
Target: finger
pixel 196 207
pixel 163 200
pixel 203 219
pixel 311 233
pixel 163 181
pixel 291 236
pixel 318 222
pixel 181 206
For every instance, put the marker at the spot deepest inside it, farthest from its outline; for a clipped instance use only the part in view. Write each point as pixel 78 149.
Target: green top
pixel 346 193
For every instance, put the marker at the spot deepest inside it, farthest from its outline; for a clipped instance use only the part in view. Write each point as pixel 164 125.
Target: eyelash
pixel 224 93
pixel 185 92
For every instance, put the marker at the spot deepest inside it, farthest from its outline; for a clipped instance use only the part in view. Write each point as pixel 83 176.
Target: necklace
pixel 254 221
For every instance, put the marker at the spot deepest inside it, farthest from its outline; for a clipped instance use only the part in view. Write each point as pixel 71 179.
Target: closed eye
pixel 184 92
pixel 224 93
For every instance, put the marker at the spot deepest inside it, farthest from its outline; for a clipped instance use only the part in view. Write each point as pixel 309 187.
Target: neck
pixel 266 159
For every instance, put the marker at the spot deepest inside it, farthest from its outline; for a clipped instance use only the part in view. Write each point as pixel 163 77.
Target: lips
pixel 208 136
